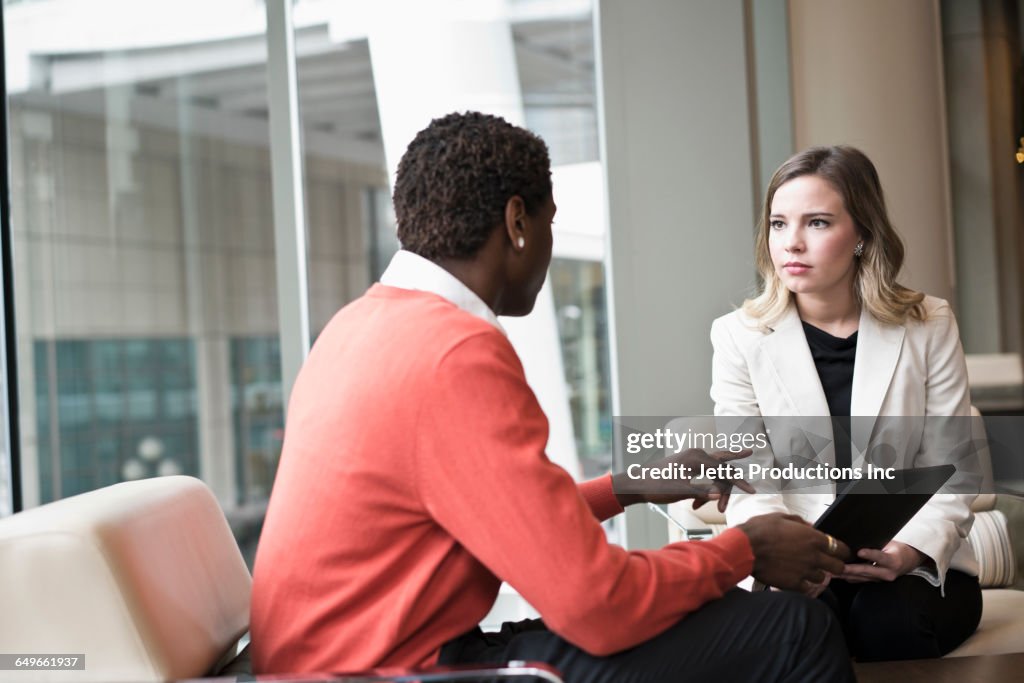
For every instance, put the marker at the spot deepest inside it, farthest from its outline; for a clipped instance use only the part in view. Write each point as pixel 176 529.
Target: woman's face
pixel 812 237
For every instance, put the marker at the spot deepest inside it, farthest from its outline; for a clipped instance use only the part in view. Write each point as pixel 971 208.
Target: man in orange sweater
pixel 414 480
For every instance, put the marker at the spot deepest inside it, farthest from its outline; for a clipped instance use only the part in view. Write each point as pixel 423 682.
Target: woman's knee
pixel 882 624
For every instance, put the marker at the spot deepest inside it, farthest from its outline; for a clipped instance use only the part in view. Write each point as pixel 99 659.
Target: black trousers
pixel 741 637
pixel 907 618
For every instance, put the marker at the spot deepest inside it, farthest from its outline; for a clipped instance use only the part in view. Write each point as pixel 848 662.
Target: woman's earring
pixel 521 242
pixel 858 250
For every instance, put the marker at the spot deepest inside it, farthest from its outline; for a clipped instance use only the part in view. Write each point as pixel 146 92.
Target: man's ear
pixel 515 221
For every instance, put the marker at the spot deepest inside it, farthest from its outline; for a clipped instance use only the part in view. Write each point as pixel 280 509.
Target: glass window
pixel 100 430
pixel 580 306
pixel 361 100
pixel 351 224
pixel 143 245
pixel 143 237
pixel 257 413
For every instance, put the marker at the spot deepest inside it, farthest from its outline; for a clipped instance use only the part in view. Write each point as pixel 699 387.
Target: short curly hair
pixel 456 177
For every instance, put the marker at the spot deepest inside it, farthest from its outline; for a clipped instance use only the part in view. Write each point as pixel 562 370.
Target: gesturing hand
pixel 637 485
pixel 791 554
pixel 889 563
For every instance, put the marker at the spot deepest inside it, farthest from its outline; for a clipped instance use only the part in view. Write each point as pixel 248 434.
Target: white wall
pixel 677 153
pixel 869 74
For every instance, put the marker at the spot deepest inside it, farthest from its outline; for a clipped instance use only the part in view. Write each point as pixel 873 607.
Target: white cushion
pixel 144 578
pixel 990 540
pixel 1002 625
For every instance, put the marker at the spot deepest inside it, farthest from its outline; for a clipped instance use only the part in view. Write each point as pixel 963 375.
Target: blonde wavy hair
pixel 854 177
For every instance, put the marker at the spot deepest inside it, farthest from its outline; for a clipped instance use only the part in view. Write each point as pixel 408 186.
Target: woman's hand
pixel 688 484
pixel 815 589
pixel 892 561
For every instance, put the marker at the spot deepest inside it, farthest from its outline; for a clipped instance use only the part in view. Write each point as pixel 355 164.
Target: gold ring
pixel 832 545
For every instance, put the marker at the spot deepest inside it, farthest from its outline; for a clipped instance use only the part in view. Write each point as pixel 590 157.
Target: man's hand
pixel 691 462
pixel 889 563
pixel 791 554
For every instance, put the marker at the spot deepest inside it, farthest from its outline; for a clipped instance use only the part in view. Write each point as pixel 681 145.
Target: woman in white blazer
pixel 833 334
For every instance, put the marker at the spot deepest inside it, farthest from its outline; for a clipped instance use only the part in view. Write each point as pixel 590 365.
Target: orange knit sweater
pixel 413 480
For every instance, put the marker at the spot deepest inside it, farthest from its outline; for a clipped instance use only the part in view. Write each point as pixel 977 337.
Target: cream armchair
pixel 144 581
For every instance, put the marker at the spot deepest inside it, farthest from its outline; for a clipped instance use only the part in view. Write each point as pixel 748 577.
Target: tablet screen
pixel 867 513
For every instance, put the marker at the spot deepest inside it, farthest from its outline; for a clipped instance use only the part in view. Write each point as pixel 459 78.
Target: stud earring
pixel 858 250
pixel 521 242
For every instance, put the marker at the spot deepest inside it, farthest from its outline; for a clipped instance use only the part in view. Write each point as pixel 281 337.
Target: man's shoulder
pixel 422 308
pixel 427 321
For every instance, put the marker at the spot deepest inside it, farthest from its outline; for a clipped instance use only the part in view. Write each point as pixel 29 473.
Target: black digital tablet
pixel 867 513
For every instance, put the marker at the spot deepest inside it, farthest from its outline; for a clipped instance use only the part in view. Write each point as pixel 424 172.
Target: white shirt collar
pixel 411 271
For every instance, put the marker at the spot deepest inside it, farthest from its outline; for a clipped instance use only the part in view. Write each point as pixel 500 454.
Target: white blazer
pixel 915 369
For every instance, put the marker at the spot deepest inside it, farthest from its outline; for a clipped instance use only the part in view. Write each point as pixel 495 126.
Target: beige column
pixel 676 143
pixel 869 74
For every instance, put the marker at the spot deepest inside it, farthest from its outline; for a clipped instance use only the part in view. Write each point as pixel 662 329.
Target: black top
pixel 833 358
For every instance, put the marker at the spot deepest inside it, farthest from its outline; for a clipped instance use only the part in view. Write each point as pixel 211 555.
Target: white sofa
pixel 145 581
pixel 143 578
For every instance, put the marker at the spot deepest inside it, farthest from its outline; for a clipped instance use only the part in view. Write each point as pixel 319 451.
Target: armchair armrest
pixel 471 672
pixel 515 669
pixel 1013 508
